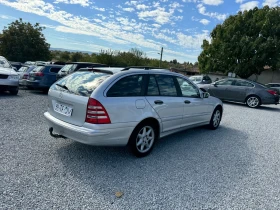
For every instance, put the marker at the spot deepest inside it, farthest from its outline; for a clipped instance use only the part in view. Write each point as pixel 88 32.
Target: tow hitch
pixel 55 135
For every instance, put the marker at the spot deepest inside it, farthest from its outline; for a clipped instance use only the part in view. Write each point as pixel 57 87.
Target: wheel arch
pixel 151 120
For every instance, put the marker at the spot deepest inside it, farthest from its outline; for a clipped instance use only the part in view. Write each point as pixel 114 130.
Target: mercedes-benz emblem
pixel 60 95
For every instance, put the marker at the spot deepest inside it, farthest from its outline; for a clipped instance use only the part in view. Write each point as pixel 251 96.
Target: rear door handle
pixel 187 102
pixel 158 102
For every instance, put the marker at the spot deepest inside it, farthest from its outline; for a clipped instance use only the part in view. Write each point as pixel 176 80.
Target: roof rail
pixel 140 67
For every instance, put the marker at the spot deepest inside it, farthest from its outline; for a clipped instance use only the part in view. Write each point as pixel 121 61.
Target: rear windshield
pixel 81 83
pixel 68 67
pixel 23 69
pixel 38 68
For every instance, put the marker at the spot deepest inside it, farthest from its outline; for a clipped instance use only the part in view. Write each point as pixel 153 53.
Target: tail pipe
pixel 55 135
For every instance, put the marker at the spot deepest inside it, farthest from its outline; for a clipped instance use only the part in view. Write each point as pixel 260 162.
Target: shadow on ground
pixel 193 161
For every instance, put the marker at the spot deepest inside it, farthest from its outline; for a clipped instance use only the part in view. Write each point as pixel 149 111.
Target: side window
pixel 127 86
pixel 166 85
pixel 152 87
pixel 188 89
pixel 55 70
pixel 243 83
pixel 225 82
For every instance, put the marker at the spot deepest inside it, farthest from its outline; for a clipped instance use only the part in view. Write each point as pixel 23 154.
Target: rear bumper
pixel 22 82
pixel 272 100
pixel 104 137
pixel 36 84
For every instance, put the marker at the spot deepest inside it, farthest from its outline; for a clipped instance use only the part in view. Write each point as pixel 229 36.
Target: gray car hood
pixel 7 71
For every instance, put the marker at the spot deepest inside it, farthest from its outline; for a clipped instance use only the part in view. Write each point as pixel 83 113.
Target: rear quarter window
pixel 81 83
pixel 127 86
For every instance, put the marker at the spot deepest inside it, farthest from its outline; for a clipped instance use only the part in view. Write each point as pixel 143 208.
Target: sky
pixel 179 26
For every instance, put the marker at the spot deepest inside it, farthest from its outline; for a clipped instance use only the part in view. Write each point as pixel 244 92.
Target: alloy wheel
pixel 216 118
pixel 145 139
pixel 253 102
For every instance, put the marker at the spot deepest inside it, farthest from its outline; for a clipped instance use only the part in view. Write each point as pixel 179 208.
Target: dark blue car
pixel 42 77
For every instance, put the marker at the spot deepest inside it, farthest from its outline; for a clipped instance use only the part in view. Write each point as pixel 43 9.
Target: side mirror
pixel 215 84
pixel 205 95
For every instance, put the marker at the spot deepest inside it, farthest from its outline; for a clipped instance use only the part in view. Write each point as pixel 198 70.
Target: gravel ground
pixel 234 167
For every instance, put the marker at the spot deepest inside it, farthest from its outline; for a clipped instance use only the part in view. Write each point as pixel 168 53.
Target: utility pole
pixel 160 57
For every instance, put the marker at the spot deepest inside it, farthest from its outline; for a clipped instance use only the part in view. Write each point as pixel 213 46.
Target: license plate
pixel 63 109
pixel 31 78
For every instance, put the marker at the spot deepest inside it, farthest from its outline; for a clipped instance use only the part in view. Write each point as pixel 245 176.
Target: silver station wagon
pixel 135 107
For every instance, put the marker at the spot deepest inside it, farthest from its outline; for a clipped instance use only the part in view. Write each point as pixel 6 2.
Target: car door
pixel 238 90
pixel 219 89
pixel 196 109
pixel 163 96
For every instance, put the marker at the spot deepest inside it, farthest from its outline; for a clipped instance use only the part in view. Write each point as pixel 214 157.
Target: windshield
pixel 196 79
pixel 4 63
pixel 68 67
pixel 81 83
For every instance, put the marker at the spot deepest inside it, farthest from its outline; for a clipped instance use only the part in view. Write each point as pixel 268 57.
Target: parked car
pixel 244 91
pixel 42 77
pixel 201 79
pixel 127 107
pixel 275 86
pixel 8 77
pixel 23 73
pixel 74 66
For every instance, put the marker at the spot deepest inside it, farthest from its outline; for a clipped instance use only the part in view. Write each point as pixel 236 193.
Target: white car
pixel 118 107
pixel 9 79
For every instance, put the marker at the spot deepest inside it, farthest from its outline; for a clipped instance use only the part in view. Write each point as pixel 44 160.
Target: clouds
pixel 249 5
pixel 83 3
pixel 202 10
pixel 271 3
pixel 213 2
pixel 178 25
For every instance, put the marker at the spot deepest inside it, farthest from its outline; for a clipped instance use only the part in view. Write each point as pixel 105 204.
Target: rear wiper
pixel 63 86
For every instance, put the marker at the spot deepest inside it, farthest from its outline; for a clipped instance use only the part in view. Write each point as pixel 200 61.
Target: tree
pixel 76 57
pixel 23 41
pixel 245 43
pixel 65 56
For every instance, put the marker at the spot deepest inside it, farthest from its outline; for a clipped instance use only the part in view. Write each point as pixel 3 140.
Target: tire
pixel 215 119
pixel 14 91
pixel 253 101
pixel 45 91
pixel 141 148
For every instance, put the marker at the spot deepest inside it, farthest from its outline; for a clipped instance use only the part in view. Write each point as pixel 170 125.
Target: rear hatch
pixel 68 98
pixel 37 73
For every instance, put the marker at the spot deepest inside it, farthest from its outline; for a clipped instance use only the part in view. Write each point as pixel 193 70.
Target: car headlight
pixel 14 77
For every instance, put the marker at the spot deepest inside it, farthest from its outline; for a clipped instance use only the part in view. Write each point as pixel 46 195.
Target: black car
pixel 74 66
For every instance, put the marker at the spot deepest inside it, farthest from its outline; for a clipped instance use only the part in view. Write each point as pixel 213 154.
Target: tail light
pixel 39 74
pixel 272 92
pixel 96 113
pixel 25 76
